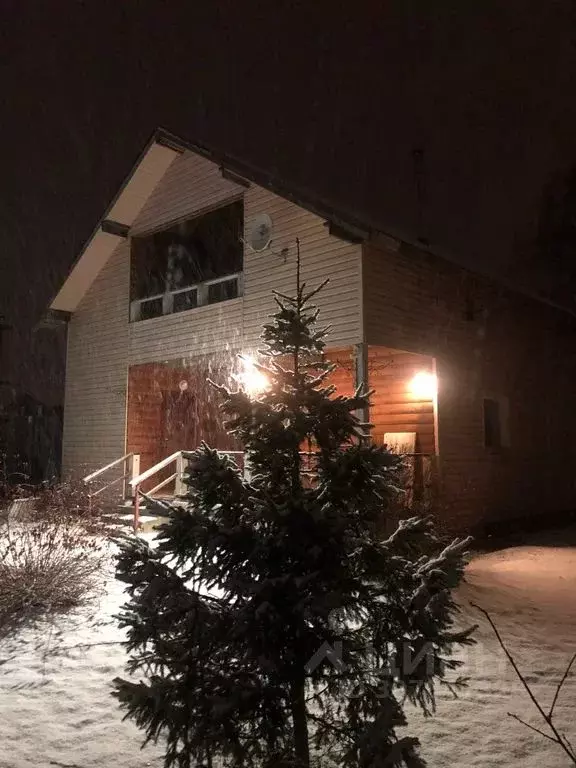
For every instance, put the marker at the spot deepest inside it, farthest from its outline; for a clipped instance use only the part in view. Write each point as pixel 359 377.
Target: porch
pixel 172 408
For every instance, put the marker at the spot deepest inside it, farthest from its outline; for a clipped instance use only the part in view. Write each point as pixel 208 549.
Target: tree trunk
pixel 299 722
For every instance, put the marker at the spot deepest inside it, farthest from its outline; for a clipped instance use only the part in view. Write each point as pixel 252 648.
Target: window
pixel 150 308
pixel 183 300
pixel 496 433
pixel 184 267
pixel 222 291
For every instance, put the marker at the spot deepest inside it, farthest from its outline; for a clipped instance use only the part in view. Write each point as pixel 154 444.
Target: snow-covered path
pixel 56 708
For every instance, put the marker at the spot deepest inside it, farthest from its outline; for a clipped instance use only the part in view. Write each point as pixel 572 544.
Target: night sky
pixel 451 124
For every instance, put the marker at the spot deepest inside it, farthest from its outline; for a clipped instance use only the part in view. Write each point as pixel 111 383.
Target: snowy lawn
pixel 56 708
pixel 530 593
pixel 55 702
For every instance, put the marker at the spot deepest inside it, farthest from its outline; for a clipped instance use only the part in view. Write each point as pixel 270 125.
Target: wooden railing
pixel 419 476
pixel 192 296
pixel 179 459
pixel 130 467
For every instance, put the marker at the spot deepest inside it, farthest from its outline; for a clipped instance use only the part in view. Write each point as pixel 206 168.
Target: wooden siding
pixel 393 407
pixel 214 329
pixel 163 417
pixel 190 185
pixel 322 256
pixel 344 375
pixel 193 184
pixel 485 340
pixel 103 344
pixel 95 393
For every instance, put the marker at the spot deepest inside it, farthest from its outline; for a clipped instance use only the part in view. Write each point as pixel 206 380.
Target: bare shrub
pixel 46 568
pixel 53 552
pixel 554 734
pixel 70 503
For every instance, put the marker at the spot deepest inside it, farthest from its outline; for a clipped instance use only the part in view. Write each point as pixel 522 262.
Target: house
pixel 176 281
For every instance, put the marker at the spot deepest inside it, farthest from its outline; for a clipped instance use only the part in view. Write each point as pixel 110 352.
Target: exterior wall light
pixel 251 378
pixel 423 386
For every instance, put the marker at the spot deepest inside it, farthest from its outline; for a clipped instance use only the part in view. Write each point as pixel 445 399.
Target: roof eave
pixel 114 225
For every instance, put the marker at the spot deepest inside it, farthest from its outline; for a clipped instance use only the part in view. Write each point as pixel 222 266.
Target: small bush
pixel 46 568
pixel 70 503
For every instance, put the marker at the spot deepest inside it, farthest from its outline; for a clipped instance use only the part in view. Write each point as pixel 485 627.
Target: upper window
pixel 193 263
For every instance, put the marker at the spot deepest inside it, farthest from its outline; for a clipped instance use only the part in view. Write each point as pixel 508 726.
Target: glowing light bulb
pixel 252 379
pixel 424 385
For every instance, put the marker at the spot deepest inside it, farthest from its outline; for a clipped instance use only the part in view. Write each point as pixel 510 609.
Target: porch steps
pixel 151 515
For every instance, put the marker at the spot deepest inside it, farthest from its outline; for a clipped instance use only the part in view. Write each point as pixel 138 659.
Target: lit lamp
pixel 251 378
pixel 423 386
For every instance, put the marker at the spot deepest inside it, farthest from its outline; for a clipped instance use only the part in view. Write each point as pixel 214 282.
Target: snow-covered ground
pixel 56 708
pixel 530 593
pixel 55 702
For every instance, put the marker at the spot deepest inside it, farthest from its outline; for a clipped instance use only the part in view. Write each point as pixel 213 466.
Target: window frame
pixel 202 287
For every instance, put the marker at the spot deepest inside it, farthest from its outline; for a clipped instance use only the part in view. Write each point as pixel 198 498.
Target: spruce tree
pixel 272 624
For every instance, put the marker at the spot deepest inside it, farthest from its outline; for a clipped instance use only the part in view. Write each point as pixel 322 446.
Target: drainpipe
pixel 361 380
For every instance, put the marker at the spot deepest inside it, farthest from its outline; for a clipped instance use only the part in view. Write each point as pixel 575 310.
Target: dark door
pixel 180 422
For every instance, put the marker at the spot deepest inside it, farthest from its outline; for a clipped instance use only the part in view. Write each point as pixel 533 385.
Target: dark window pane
pixel 191 252
pixel 223 291
pixel 151 308
pixel 492 424
pixel 185 300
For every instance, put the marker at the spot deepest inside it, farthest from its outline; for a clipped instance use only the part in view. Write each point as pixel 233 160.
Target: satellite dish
pixel 260 232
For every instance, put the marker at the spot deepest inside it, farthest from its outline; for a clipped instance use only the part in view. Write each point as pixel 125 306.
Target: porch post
pixel 361 379
pixel 136 520
pixel 247 472
pixel 134 470
pixel 178 484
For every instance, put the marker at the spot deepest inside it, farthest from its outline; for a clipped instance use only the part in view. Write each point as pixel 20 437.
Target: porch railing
pixel 419 468
pixel 192 296
pixel 129 465
pixel 179 460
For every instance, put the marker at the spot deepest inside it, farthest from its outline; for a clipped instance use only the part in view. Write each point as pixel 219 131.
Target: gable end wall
pixel 102 344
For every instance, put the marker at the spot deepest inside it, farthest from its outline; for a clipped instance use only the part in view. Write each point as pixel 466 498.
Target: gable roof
pixel 113 226
pixel 159 152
